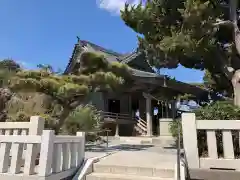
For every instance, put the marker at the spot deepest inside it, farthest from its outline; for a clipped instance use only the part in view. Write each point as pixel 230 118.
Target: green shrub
pixel 84 118
pixel 220 110
pixel 173 127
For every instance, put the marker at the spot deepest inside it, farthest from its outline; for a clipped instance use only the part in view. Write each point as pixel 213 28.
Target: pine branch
pixel 222 22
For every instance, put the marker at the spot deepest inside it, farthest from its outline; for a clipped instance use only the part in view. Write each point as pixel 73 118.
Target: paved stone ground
pixel 140 159
pixel 131 154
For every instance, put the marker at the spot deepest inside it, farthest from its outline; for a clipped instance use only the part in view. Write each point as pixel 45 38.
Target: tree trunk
pixel 236 35
pixel 236 87
pixel 65 113
pixel 5 96
pixel 67 109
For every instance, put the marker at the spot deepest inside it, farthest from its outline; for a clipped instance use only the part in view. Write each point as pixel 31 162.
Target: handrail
pixel 118 117
pixel 178 175
pixel 143 126
pixel 142 122
pixel 182 171
pixel 126 117
pixel 121 114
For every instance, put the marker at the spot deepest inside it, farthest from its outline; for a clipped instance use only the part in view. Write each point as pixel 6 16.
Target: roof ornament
pixel 78 39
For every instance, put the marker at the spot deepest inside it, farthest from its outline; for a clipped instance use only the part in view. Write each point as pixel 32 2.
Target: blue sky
pixel 44 32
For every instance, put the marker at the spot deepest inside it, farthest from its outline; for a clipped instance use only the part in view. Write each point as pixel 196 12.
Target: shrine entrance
pixel 114 106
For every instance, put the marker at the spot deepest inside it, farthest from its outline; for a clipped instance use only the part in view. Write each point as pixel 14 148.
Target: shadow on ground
pixel 119 147
pixel 170 147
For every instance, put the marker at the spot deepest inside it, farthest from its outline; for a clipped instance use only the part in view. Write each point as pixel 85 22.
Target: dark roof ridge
pixel 109 51
pixel 124 58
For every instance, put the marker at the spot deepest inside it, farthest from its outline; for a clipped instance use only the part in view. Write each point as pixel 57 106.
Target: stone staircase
pixel 106 172
pixel 130 169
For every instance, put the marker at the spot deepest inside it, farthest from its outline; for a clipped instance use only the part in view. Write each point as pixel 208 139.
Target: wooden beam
pixel 177 86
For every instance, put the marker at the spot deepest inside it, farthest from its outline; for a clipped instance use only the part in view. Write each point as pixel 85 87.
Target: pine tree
pixel 70 91
pixel 198 34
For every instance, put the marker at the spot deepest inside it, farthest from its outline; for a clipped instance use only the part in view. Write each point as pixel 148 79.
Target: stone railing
pixel 34 127
pixel 227 161
pixel 44 155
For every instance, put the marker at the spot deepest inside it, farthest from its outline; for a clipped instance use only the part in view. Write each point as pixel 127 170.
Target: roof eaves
pixel 130 57
pixel 164 81
pixel 183 86
pixel 140 73
pixel 70 63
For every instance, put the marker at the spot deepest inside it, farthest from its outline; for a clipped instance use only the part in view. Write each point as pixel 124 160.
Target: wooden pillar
pixel 149 115
pixel 117 130
pixel 130 104
pixel 142 108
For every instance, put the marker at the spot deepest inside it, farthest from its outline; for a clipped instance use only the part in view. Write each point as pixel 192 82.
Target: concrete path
pixel 130 161
pixel 134 155
pixel 140 159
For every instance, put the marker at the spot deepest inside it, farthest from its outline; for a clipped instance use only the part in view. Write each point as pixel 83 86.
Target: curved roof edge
pixel 111 55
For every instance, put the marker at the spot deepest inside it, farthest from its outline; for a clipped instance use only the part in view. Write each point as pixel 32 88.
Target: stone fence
pixel 227 161
pixel 29 152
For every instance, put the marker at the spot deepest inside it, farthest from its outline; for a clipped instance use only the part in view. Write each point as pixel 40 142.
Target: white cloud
pixel 115 6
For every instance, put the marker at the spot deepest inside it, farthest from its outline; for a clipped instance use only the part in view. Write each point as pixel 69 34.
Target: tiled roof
pixel 110 55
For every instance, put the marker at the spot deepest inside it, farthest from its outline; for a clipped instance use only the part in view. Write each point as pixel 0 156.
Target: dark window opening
pixel 114 105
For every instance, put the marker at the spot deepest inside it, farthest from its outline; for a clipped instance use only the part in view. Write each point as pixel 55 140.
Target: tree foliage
pixel 224 110
pixel 10 65
pixel 66 92
pixel 187 32
pixel 217 84
pixel 67 89
pixel 83 118
pixel 23 105
pixel 8 68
